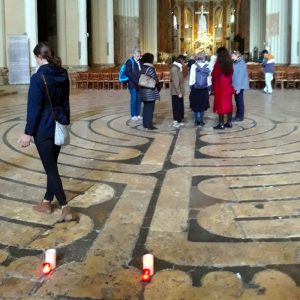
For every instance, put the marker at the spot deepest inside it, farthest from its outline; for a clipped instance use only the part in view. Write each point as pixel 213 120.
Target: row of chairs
pixel 107 80
pixel 282 79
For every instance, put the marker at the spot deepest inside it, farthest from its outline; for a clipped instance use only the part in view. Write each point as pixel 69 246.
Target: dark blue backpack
pixel 123 78
pixel 201 76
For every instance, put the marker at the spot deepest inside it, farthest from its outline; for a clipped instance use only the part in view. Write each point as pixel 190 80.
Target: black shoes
pixel 197 123
pixel 150 128
pixel 220 126
pixel 238 120
pixel 228 125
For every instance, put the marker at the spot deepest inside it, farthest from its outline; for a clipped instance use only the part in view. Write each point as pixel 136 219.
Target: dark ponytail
pixel 44 50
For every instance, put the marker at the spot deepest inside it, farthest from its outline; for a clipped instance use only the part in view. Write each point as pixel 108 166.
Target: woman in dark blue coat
pixel 149 95
pixel 41 124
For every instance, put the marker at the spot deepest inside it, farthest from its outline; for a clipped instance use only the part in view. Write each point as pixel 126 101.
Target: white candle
pixel 50 257
pixel 148 263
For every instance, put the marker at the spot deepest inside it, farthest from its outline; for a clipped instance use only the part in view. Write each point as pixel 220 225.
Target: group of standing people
pixel 223 76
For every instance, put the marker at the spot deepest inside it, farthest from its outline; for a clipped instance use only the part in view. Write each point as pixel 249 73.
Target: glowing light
pixel 146 275
pixel 232 18
pixel 50 257
pixel 148 263
pixel 46 268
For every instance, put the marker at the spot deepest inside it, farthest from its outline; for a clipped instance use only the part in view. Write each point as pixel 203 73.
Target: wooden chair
pixel 255 79
pixel 106 80
pixel 74 80
pixel 115 81
pixel 83 80
pixel 279 79
pixel 291 77
pixel 298 78
pixel 166 77
pixel 93 80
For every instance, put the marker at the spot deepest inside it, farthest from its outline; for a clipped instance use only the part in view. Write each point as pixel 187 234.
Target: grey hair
pixel 237 53
pixel 136 50
pixel 200 56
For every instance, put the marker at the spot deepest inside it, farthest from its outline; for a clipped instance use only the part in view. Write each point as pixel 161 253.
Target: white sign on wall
pixel 18 59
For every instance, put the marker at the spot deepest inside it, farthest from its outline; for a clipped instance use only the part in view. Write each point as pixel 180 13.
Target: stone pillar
pixel 295 36
pixel 71 32
pixel 31 27
pixel 61 30
pixel 224 25
pixel 3 73
pixel 257 25
pixel 165 39
pixel 181 27
pixel 196 20
pixel 277 29
pixel 2 37
pixel 102 38
pixel 82 36
pixel 149 27
pixel 127 34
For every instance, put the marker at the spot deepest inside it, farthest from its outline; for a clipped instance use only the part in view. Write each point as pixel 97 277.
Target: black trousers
pixel 178 108
pixel 239 100
pixel 48 153
pixel 148 114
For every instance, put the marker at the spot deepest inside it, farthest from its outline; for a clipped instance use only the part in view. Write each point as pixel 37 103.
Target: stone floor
pixel 220 211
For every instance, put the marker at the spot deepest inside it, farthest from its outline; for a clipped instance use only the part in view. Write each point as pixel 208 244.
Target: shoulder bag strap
pixel 49 98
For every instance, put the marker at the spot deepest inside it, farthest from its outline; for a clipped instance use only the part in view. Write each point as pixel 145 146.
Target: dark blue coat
pixel 40 121
pixel 133 73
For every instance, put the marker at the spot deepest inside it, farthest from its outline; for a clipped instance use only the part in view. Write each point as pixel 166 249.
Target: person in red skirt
pixel 223 90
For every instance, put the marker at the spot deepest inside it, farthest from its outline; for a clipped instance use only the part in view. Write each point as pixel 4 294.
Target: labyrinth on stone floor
pixel 195 198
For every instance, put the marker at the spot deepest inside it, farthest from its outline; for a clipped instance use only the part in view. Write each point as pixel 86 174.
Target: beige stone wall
pixel 12 21
pixel 14 16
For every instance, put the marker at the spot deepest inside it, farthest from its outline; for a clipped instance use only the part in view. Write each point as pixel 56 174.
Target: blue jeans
pixel 135 102
pixel 201 115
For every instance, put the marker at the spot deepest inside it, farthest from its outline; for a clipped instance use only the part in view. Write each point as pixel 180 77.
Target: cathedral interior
pixel 218 210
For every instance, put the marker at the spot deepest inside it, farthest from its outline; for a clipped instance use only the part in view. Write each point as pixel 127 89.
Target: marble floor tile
pixel 219 211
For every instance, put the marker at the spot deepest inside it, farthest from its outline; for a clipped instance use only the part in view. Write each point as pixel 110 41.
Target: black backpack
pixel 201 76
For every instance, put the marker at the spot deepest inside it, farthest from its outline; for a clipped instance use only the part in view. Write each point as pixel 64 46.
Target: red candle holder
pixel 146 275
pixel 46 268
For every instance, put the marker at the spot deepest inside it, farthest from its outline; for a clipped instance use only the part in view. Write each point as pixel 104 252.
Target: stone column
pixel 295 36
pixel 102 38
pixel 127 34
pixel 61 30
pixel 2 37
pixel 149 27
pixel 82 36
pixel 71 32
pixel 31 27
pixel 196 20
pixel 277 29
pixel 3 77
pixel 257 25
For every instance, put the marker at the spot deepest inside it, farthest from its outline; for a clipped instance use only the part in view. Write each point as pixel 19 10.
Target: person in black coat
pixel 41 124
pixel 149 95
pixel 133 72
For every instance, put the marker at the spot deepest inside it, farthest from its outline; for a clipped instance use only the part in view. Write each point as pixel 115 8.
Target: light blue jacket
pixel 240 79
